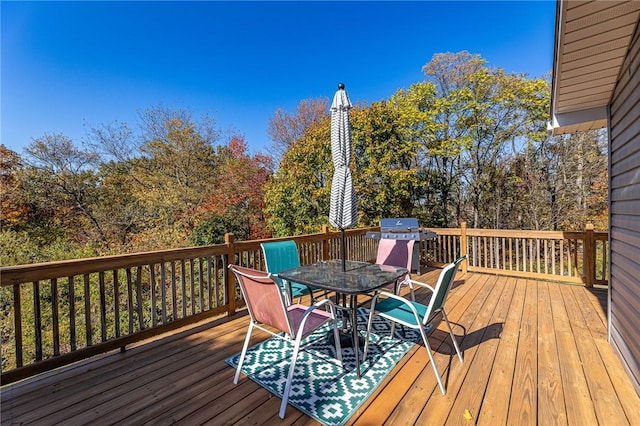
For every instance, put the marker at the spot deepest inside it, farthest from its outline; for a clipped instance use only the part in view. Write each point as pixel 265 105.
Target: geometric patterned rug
pixel 321 388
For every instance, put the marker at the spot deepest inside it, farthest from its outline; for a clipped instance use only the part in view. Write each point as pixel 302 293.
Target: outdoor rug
pixel 321 388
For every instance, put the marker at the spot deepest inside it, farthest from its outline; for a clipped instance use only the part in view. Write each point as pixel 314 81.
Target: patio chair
pixel 396 253
pixel 280 256
pixel 267 308
pixel 424 318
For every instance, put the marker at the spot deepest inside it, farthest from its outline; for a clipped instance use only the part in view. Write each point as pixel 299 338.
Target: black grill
pixel 404 228
pixel 401 228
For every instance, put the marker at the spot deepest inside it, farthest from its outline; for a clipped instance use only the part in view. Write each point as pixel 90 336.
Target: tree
pixel 62 185
pixel 13 208
pixel 297 199
pixel 387 178
pixel 285 129
pixel 235 201
pixel 577 166
pixel 384 170
pixel 172 179
pixel 428 120
pixel 478 114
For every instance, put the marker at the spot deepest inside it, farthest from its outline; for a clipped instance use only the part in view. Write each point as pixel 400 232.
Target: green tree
pixel 297 199
pixel 62 185
pixel 174 175
pixel 428 120
pixel 467 116
pixel 386 177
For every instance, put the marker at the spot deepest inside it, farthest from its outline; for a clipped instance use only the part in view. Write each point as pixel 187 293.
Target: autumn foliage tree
pixel 285 128
pixel 12 205
pixel 235 200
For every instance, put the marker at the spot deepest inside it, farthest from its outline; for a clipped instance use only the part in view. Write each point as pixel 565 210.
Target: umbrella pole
pixel 343 250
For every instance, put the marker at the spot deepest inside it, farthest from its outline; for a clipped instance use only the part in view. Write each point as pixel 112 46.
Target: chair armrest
pixel 388 295
pixel 411 283
pixel 308 312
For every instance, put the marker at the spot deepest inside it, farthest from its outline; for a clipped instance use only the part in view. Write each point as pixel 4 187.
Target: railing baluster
pixel 129 299
pixel 152 285
pixel 546 256
pixel 116 303
pixel 569 258
pixel 163 291
pixel 87 311
pixel 103 308
pixel 37 320
pixel 201 284
pixel 511 253
pixel 485 253
pixel 55 318
pixel 532 255
pixel 174 291
pixel 17 324
pixel 210 276
pixel 183 286
pixel 72 313
pixel 562 270
pixel 192 287
pixel 139 297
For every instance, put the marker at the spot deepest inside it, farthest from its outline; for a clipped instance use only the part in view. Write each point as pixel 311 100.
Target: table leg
pixel 354 329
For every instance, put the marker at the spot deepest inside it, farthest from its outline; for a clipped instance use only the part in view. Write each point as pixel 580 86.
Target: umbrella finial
pixel 340 86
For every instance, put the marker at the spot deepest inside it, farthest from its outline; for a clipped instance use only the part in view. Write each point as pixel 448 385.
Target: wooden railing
pixel 61 312
pixel 65 311
pixel 576 257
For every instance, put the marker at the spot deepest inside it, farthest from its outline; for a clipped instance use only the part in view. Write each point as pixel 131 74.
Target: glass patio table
pixel 358 278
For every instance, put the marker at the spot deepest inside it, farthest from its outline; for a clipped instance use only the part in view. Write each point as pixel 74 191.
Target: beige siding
pixel 625 212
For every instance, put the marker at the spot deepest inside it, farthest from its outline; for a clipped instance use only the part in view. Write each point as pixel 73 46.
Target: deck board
pixel 439 407
pixel 578 402
pixel 551 406
pixel 534 353
pixel 495 407
pixel 524 397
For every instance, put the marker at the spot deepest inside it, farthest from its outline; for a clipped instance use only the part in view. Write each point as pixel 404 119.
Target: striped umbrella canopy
pixel 342 210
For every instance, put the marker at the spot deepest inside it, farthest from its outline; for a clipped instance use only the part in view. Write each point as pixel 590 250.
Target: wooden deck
pixel 535 353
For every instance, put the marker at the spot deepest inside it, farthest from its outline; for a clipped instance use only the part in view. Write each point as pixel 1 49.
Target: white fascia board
pixel 588 119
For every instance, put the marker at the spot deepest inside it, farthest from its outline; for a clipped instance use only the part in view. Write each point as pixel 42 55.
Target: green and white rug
pixel 321 387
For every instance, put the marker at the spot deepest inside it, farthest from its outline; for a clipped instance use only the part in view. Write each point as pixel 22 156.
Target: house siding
pixel 624 197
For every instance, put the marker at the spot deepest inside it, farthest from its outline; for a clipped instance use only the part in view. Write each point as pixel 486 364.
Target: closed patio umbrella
pixel 342 210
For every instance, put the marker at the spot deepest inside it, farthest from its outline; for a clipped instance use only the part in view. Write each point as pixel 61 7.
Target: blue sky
pixel 67 67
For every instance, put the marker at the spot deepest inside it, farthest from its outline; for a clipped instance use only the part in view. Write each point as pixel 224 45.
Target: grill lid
pixel 401 228
pixel 399 224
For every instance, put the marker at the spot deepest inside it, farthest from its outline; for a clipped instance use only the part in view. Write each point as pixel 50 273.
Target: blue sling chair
pixel 280 256
pixel 411 314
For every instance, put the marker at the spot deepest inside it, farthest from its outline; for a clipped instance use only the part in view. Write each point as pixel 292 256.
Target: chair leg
pixel 243 353
pixel 369 324
pixel 453 338
pixel 287 387
pixel 433 361
pixel 336 334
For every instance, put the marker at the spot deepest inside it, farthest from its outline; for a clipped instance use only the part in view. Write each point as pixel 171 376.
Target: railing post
pixel 229 282
pixel 325 243
pixel 463 245
pixel 589 255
